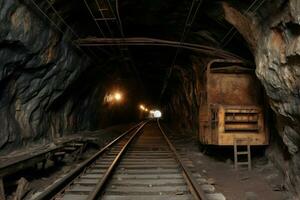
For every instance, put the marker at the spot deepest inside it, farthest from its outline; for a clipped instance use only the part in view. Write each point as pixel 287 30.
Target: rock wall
pixel 39 71
pixel 182 96
pixel 273 35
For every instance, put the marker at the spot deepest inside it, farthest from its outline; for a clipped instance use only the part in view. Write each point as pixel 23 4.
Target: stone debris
pixel 202 181
pixel 211 181
pixel 251 196
pixel 208 188
pixel 215 196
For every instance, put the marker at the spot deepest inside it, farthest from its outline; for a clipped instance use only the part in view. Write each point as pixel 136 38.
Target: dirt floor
pixel 264 182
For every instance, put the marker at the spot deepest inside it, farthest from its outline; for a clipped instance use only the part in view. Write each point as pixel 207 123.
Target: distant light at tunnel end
pixel 157 114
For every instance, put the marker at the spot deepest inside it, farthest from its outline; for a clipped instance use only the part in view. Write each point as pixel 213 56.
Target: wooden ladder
pixel 237 152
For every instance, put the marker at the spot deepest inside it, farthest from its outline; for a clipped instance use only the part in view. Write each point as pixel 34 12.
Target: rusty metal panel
pixel 233 89
pixel 232 107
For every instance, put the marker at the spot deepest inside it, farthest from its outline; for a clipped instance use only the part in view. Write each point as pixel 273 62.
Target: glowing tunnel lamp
pixel 118 96
pixel 142 107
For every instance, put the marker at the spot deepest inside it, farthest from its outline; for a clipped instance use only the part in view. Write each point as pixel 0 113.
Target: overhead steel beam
pixel 144 41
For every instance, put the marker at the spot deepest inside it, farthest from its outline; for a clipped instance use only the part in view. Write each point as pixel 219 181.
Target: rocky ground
pixel 263 182
pixel 216 166
pixel 39 178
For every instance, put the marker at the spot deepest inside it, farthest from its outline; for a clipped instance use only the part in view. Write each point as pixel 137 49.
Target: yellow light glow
pixel 118 96
pixel 142 107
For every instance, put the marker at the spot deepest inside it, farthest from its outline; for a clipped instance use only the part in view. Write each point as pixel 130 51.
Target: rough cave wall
pixel 38 69
pixel 183 96
pixel 273 35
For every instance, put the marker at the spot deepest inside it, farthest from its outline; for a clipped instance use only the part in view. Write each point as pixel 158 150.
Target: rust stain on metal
pixel 231 105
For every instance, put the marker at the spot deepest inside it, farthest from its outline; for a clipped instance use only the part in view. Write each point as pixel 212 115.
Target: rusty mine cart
pixel 231 106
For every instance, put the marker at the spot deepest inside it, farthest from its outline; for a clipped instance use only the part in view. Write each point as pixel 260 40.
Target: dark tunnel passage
pixel 72 67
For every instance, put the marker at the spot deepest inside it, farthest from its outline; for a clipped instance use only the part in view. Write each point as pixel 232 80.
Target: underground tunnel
pixel 109 99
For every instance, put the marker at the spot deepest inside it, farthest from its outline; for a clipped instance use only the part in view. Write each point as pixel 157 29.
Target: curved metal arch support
pixel 143 41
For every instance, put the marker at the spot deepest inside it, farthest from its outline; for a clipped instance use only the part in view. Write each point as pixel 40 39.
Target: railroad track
pixel 140 164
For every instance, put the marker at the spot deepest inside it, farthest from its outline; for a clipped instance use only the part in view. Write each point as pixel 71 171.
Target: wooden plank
pixel 14 165
pixel 235 154
pixel 22 189
pixel 249 157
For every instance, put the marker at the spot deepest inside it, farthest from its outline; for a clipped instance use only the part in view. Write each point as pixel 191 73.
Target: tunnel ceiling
pixel 166 20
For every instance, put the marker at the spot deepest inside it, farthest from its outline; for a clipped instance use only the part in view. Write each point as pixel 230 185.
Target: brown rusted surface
pixel 231 105
pixel 232 89
pixel 243 24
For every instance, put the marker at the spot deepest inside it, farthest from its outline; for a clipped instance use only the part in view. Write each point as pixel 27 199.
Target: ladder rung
pixel 242 163
pixel 242 153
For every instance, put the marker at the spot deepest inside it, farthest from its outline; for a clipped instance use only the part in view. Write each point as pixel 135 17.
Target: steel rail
pixel 191 180
pixel 58 186
pixel 100 185
pixel 16 165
